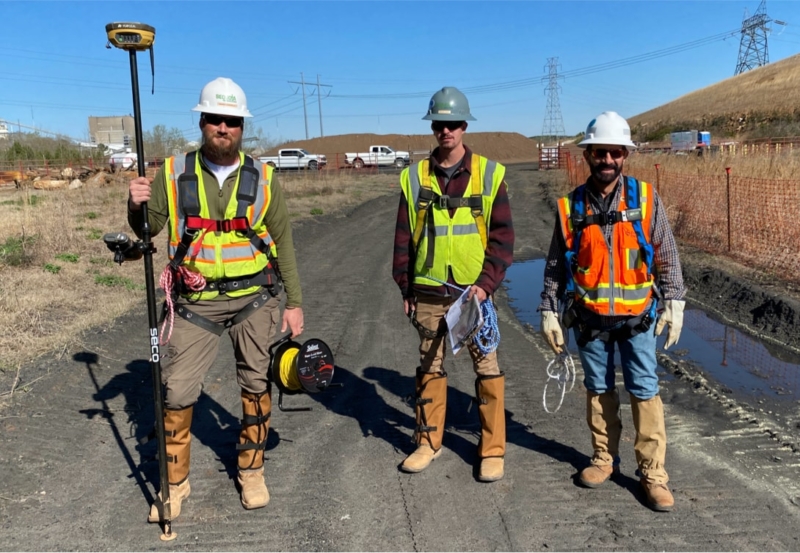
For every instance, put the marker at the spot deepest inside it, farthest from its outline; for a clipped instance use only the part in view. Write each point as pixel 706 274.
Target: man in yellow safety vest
pixel 228 225
pixel 453 231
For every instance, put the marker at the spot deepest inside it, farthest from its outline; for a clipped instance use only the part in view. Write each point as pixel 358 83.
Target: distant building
pixel 118 130
pixel 3 131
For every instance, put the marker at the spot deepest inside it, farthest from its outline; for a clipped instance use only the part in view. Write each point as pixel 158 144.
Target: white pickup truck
pixel 295 158
pixel 378 155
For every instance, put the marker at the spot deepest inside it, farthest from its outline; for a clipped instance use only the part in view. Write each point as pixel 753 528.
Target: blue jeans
pixel 638 356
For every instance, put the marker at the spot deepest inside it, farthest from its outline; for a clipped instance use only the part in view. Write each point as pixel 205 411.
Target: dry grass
pixel 784 166
pixel 58 279
pixel 765 97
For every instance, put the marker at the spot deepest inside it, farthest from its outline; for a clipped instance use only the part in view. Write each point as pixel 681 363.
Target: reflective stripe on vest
pixel 616 284
pixel 459 243
pixel 217 254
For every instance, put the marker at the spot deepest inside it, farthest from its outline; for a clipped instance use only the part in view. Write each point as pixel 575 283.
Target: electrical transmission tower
pixel 553 126
pixel 753 50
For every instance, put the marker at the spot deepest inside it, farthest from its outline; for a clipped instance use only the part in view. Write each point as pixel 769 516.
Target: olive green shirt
pixel 276 219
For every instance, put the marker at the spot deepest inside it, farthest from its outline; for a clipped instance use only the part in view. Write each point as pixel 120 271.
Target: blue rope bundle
pixel 488 336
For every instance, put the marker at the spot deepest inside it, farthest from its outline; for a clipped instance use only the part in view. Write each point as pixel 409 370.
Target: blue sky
pixel 382 60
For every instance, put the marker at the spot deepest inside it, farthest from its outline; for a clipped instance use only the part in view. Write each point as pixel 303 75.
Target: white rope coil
pixel 562 370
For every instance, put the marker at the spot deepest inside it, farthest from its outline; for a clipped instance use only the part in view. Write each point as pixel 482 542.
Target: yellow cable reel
pixel 296 368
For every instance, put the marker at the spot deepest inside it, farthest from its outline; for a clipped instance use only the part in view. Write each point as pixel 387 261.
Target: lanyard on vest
pixel 189 183
pixel 580 220
pixel 427 197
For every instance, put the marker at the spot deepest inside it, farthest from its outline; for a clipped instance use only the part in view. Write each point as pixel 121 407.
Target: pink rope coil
pixel 191 280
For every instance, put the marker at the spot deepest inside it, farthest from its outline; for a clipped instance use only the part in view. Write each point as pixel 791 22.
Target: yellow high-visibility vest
pixel 221 254
pixel 458 244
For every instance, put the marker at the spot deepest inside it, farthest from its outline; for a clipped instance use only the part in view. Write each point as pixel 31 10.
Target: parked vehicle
pixel 378 155
pixel 295 158
pixel 685 141
pixel 123 161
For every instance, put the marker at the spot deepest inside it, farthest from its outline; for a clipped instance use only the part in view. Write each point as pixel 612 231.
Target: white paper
pixel 464 319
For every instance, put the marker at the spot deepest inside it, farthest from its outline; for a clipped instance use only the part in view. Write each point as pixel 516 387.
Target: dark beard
pixel 219 152
pixel 601 178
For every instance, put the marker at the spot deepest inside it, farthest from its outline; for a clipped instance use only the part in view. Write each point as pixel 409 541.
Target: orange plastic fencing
pixel 751 220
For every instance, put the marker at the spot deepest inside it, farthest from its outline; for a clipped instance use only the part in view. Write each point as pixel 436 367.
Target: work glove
pixel 673 318
pixel 551 330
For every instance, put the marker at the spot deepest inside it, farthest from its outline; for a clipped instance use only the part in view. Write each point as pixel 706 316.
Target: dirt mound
pixel 505 147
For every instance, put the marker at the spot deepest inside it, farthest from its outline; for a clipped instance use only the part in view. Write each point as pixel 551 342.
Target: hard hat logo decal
pixel 222 96
pixel 448 104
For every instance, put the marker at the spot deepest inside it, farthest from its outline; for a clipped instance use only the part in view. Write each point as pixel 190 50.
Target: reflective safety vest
pixel 442 243
pixel 235 247
pixel 613 279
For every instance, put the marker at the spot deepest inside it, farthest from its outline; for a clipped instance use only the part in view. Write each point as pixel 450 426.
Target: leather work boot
pixel 602 416
pixel 256 410
pixel 659 498
pixel 254 491
pixel 420 459
pixel 596 475
pixel 490 396
pixel 651 449
pixel 177 493
pixel 492 469
pixel 430 408
pixel 178 437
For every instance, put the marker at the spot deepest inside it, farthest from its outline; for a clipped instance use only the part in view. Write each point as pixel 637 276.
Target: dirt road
pixel 74 478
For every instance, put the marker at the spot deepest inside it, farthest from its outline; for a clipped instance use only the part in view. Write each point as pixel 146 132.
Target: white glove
pixel 672 317
pixel 551 330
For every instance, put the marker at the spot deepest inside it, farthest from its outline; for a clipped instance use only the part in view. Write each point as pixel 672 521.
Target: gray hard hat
pixel 449 104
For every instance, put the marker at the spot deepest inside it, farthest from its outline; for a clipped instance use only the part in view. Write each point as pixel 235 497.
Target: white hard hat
pixel 608 128
pixel 222 96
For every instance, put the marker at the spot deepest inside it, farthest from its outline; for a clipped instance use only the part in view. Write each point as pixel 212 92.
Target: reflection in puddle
pixel 733 358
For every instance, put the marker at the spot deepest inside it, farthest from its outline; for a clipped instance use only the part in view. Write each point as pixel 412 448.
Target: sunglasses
pixel 216 120
pixel 439 126
pixel 601 153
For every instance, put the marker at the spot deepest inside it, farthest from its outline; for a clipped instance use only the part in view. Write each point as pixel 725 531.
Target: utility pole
pixel 753 48
pixel 305 113
pixel 302 84
pixel 319 101
pixel 553 122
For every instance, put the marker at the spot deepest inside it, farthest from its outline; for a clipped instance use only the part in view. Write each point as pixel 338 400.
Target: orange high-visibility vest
pixel 611 280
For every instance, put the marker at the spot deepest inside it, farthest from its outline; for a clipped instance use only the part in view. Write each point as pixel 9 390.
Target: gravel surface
pixel 74 477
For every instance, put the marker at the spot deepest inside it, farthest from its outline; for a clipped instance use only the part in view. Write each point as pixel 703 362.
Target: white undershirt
pixel 222 172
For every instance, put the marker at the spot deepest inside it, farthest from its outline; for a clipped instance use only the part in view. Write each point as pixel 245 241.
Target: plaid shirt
pixel 667 270
pixel 500 239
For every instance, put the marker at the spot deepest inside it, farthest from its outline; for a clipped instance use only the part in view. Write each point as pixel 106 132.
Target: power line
pixel 538 81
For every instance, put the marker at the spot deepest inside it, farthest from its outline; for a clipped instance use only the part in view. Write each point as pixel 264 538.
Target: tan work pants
pixel 430 311
pixel 192 350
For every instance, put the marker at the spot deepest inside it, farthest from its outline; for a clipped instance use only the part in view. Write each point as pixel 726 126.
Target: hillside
pixel 504 147
pixel 759 103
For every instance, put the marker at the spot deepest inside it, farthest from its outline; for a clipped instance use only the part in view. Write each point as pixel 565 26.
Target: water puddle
pixel 747 367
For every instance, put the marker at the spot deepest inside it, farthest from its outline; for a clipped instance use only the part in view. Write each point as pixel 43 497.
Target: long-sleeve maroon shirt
pixel 500 244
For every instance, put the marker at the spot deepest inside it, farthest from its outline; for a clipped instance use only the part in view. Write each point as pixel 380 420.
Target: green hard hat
pixel 449 104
